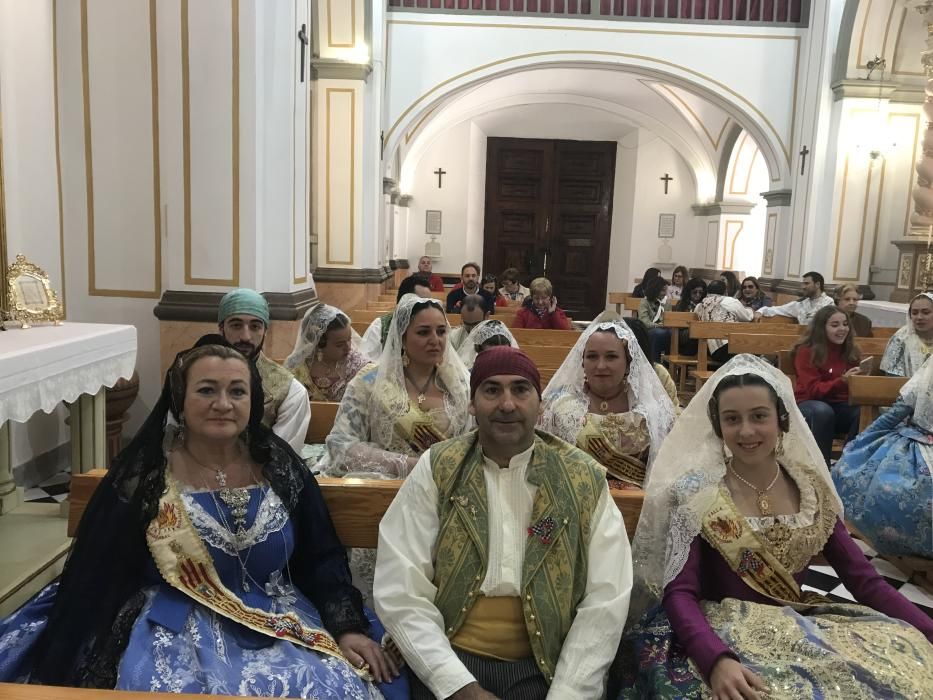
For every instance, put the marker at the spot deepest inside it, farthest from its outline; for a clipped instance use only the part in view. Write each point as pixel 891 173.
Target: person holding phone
pixel 824 359
pixel 540 310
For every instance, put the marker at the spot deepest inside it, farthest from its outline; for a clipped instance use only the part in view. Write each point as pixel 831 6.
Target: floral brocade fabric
pixel 837 652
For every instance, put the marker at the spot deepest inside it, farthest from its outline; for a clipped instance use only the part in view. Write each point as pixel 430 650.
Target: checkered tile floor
pixel 52 490
pixel 821 579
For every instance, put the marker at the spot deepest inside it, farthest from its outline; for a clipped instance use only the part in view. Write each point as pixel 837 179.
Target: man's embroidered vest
pixel 276 381
pixel 569 483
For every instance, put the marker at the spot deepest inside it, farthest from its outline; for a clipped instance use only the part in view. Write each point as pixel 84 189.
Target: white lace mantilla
pixel 42 366
pixel 271 518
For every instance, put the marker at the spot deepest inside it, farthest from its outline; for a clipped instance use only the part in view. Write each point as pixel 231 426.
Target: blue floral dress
pixel 883 479
pixel 177 645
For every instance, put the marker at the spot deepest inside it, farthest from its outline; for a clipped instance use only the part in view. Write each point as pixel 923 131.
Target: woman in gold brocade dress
pixel 607 400
pixel 326 355
pixel 415 395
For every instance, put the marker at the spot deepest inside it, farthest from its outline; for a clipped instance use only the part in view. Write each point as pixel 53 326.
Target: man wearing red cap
pixel 503 568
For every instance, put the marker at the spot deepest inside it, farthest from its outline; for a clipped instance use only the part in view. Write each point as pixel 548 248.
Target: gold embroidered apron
pixel 603 438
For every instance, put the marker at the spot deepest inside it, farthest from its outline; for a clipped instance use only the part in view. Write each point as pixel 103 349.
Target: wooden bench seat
pixel 356 505
pixel 679 364
pixel 872 394
pixel 618 299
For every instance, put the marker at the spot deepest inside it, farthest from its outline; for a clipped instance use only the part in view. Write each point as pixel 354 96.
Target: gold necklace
pixel 764 505
pixel 422 389
pixel 604 403
pixel 220 473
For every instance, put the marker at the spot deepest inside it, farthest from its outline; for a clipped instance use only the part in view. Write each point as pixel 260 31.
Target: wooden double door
pixel 548 214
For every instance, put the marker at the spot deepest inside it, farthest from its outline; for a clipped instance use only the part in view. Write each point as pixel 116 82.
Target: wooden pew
pixel 871 394
pixel 711 330
pixel 383 306
pixel 535 336
pixel 356 505
pixel 679 364
pixel 631 304
pixel 367 316
pixel 546 355
pixel 618 298
pixel 323 414
pixel 869 347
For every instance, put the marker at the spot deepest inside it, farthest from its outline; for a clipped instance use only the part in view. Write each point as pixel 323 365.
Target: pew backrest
pixel 872 393
pixel 323 414
pixel 356 505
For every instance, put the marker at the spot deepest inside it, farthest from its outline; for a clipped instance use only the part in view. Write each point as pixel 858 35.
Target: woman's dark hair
pixel 753 280
pixel 685 301
pixel 732 282
pixel 740 380
pixel 815 337
pixel 649 275
pixel 640 332
pixel 491 342
pixel 487 278
pixel 716 287
pixel 339 321
pixel 654 287
pixel 407 286
pixel 510 274
pixel 683 271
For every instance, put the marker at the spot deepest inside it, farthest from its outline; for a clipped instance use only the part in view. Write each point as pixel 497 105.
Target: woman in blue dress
pixel 206 562
pixel 884 477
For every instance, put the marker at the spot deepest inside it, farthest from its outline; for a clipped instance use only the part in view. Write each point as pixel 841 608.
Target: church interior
pixel 156 155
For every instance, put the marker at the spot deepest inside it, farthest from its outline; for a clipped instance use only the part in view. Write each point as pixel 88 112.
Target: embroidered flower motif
pixel 543 529
pixel 749 562
pixel 728 529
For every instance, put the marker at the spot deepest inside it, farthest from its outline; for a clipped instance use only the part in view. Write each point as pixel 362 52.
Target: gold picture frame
pixel 30 297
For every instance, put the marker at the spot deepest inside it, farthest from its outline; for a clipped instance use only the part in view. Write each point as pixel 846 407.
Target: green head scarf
pixel 247 302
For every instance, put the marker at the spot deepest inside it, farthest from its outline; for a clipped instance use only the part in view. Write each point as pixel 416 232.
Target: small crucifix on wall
pixel 667 180
pixel 440 173
pixel 804 152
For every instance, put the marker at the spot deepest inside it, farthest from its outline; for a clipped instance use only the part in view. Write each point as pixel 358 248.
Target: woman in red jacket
pixel 540 309
pixel 824 359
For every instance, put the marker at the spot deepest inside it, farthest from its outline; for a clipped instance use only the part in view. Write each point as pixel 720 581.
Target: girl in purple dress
pixel 722 547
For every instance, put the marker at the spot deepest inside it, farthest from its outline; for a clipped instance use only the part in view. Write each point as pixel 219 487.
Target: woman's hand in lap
pixel 360 649
pixel 730 680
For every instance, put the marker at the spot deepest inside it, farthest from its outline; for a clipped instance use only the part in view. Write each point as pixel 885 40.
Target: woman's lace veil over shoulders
pixel 565 401
pixel 687 474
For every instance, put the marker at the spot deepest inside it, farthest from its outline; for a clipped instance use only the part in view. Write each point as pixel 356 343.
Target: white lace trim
pixel 271 518
pixel 803 518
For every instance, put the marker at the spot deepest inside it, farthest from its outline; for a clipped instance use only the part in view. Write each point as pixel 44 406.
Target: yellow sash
pixel 185 563
pixel 620 466
pixel 417 429
pixel 748 555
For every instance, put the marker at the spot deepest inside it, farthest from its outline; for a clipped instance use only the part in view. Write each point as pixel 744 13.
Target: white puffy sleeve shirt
pixel 404 592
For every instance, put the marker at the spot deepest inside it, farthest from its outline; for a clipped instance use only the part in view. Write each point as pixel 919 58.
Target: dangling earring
pixel 779 447
pixel 245 436
pixel 182 432
pixel 319 356
pixel 725 453
pixel 405 360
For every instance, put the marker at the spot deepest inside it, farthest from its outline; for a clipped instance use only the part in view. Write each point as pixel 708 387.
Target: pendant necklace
pixel 422 389
pixel 604 400
pixel 764 505
pixel 220 474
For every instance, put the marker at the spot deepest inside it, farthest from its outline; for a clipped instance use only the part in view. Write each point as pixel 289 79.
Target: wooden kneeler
pixel 356 505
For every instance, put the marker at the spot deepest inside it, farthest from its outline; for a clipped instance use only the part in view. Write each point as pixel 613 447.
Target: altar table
pixel 44 365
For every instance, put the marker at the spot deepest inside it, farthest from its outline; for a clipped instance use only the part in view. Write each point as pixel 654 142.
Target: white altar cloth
pixel 44 365
pixel 884 314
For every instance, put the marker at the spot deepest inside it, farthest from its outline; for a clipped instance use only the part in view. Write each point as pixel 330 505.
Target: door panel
pixel 548 213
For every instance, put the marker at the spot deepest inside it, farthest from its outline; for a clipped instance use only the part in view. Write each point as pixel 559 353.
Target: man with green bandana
pixel 243 318
pixel 503 569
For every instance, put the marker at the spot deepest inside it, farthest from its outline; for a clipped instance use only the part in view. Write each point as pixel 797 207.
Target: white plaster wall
pixel 654 158
pixel 27 124
pixel 451 151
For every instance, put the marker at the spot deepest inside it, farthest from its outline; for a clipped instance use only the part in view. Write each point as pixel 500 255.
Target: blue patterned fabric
pixel 179 646
pixel 885 485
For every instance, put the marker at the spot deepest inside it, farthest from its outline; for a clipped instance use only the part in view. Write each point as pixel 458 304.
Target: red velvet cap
pixel 500 360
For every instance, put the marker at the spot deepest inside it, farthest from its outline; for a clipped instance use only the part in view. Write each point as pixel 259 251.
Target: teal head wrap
pixel 247 302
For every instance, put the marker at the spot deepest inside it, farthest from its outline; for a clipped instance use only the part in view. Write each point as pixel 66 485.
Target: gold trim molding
pixel 93 289
pixel 327 171
pixel 234 279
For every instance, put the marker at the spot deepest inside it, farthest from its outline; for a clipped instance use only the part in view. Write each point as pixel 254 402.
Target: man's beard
pixel 470 289
pixel 251 351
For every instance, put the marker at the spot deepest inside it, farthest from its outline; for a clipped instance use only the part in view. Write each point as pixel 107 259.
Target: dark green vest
pixel 569 483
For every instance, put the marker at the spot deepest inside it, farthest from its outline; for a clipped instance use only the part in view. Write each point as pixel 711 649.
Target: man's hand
pixel 730 680
pixel 360 649
pixel 473 691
